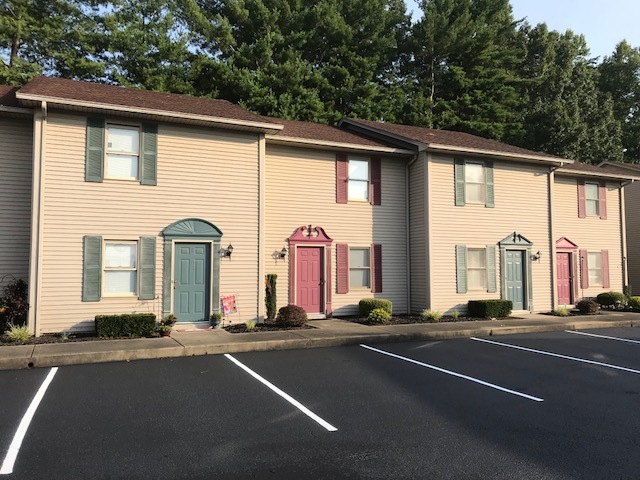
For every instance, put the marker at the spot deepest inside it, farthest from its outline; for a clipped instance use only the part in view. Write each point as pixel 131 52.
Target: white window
pixel 474 182
pixel 359 268
pixel 123 152
pixel 477 269
pixel 592 198
pixel 595 268
pixel 120 268
pixel 358 180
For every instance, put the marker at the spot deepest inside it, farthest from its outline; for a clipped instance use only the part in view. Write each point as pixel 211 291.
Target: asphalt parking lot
pixel 560 405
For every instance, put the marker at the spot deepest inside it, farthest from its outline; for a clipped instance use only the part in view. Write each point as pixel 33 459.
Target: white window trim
pixel 587 200
pixel 349 180
pixel 127 269
pixel 591 268
pixel 483 201
pixel 137 128
pixel 361 288
pixel 486 280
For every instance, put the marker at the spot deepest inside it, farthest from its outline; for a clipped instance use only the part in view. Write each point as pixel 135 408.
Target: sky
pixel 604 23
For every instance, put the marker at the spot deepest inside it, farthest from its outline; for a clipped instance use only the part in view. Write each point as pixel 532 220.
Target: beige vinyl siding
pixel 418 234
pixel 521 205
pixel 591 233
pixel 632 217
pixel 16 157
pixel 202 173
pixel 301 190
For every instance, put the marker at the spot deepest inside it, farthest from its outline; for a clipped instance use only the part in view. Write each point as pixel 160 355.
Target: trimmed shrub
pixel 366 305
pixel 432 316
pixel 587 307
pixel 126 325
pixel 634 303
pixel 16 302
pixel 270 299
pixel 291 316
pixel 490 308
pixel 611 299
pixel 378 316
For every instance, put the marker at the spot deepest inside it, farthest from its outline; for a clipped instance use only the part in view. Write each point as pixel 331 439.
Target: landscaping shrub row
pixel 490 308
pixel 126 325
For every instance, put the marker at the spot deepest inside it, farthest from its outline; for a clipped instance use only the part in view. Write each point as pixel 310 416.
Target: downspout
pixel 261 225
pixel 552 243
pixel 407 201
pixel 623 240
pixel 37 215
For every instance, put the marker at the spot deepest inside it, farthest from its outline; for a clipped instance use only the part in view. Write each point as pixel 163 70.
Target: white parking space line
pixel 449 372
pixel 287 397
pixel 14 448
pixel 603 336
pixel 557 355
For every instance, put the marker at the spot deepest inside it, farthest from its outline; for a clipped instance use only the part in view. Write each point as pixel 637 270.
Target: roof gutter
pixel 276 139
pixel 258 126
pixel 597 174
pixel 434 147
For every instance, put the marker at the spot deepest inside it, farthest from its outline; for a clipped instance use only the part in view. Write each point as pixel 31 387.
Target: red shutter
pixel 602 200
pixel 582 204
pixel 376 181
pixel 342 268
pixel 605 269
pixel 584 269
pixel 342 178
pixel 376 271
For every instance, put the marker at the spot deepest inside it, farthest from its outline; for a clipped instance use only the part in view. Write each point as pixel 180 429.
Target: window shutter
pixel 147 268
pixel 376 271
pixel 461 268
pixel 459 180
pixel 488 176
pixel 94 159
pixel 149 158
pixel 491 269
pixel 92 269
pixel 584 269
pixel 342 178
pixel 582 203
pixel 342 267
pixel 605 269
pixel 602 200
pixel 376 181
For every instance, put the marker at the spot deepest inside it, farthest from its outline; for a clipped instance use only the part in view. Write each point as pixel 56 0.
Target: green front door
pixel 192 287
pixel 515 282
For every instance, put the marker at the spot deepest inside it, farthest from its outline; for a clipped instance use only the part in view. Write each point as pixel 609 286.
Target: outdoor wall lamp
pixel 283 252
pixel 536 256
pixel 226 252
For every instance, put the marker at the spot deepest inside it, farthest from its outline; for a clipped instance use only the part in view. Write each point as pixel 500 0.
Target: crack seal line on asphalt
pixel 455 374
pixel 603 336
pixel 557 355
pixel 14 448
pixel 287 397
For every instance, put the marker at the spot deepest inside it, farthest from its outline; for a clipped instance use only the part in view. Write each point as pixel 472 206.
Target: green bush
pixel 562 311
pixel 291 316
pixel 490 308
pixel 366 305
pixel 378 316
pixel 432 316
pixel 634 303
pixel 18 333
pixel 16 302
pixel 611 299
pixel 126 325
pixel 270 298
pixel 587 307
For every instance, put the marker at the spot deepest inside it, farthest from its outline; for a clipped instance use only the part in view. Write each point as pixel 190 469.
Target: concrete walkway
pixel 327 333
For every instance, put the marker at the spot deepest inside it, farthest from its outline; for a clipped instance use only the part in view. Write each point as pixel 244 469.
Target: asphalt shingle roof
pixel 8 96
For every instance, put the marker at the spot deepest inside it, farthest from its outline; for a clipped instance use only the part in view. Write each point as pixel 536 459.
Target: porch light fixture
pixel 226 252
pixel 283 252
pixel 536 256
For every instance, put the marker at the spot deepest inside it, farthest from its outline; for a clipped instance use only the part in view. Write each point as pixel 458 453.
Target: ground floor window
pixel 120 267
pixel 595 268
pixel 359 268
pixel 477 268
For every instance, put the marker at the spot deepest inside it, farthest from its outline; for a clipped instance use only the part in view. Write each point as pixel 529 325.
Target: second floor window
pixel 474 180
pixel 592 199
pixel 359 180
pixel 123 152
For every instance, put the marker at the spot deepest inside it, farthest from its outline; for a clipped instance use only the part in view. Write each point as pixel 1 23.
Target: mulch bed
pixel 51 338
pixel 409 319
pixel 262 327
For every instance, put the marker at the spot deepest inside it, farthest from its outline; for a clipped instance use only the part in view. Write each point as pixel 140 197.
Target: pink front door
pixel 563 261
pixel 309 279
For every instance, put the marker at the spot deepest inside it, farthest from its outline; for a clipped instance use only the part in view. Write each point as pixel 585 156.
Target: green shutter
pixel 459 180
pixel 149 154
pixel 94 161
pixel 491 269
pixel 92 269
pixel 488 173
pixel 461 268
pixel 147 269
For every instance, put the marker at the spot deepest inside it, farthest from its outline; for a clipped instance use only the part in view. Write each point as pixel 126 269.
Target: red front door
pixel 309 279
pixel 564 278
